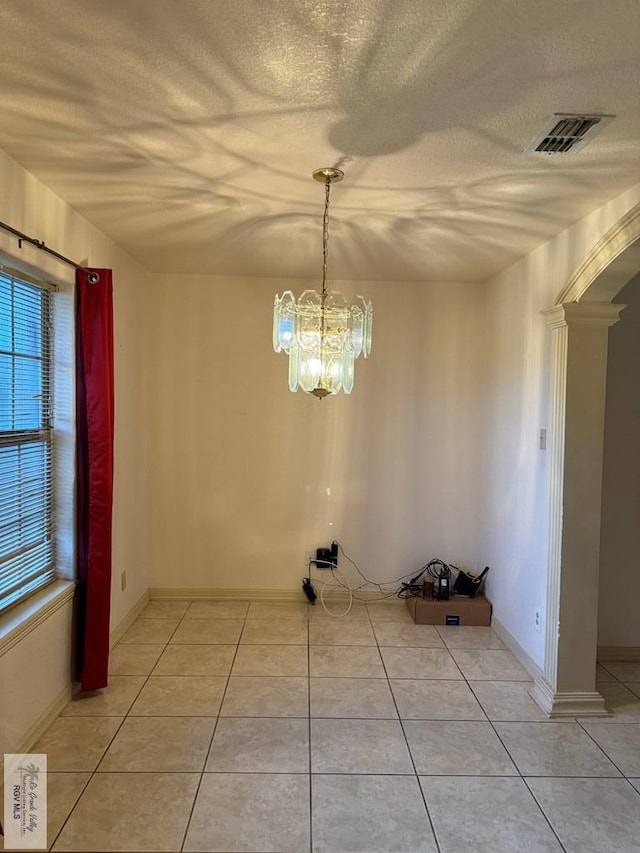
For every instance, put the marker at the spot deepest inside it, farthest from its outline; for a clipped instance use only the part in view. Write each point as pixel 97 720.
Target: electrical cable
pixel 367 581
pixel 343 583
pixel 436 568
pixel 325 584
pixel 338 584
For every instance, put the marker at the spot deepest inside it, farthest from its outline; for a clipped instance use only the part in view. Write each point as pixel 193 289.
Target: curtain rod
pixel 92 277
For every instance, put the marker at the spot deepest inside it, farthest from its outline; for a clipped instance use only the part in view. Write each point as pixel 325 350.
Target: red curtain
pixel 94 474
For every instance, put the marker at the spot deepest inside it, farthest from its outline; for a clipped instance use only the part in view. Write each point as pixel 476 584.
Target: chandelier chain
pixel 325 237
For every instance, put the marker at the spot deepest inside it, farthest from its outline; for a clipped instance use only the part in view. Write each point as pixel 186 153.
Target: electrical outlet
pixel 325 558
pixel 123 581
pixel 542 442
pixel 538 619
pixel 310 560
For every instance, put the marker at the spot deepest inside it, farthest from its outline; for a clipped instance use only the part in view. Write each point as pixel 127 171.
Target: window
pixel 26 541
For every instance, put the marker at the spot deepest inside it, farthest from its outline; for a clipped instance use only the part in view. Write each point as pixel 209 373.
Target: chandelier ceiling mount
pixel 332 176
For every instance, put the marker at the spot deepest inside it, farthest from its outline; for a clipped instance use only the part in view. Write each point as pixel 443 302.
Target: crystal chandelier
pixel 321 333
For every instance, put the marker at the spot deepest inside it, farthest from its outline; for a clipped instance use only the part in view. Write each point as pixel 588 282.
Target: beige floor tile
pixel 591 815
pixel 276 610
pixel 384 612
pixel 114 701
pixel 498 815
pixel 347 661
pixel 180 696
pixel 283 632
pixel 159 744
pixel 160 609
pixel 266 697
pixel 271 660
pixel 251 812
pixel 420 663
pixel 260 746
pixel 624 670
pixel 412 636
pixel 508 701
pixel 63 789
pixel 196 660
pixel 134 659
pixel 366 813
pixel 217 610
pixel 620 742
pixel 433 699
pixel 359 746
pixel 490 665
pixel 77 743
pixel 363 698
pixel 150 631
pixel 448 748
pixel 204 631
pixel 354 633
pixel 603 674
pixel 554 749
pixel 337 607
pixel 469 637
pixel 130 811
pixel 622 704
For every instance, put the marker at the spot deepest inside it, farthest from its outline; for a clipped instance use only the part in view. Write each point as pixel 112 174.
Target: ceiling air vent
pixel 565 132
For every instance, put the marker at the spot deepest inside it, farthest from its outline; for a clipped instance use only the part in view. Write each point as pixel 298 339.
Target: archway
pixel 580 320
pixel 619 575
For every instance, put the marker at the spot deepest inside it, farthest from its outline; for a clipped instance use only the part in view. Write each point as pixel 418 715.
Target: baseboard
pixel 167 593
pixel 619 653
pixel 573 704
pixel 516 649
pixel 122 627
pixel 182 594
pixel 51 713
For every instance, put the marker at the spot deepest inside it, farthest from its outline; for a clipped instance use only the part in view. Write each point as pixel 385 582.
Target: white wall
pixel 29 206
pixel 247 477
pixel 33 676
pixel 516 471
pixel 619 596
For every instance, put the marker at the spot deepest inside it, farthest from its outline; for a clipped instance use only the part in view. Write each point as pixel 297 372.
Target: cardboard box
pixel 459 610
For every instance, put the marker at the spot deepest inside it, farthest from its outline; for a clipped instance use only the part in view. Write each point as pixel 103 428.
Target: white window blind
pixel 26 543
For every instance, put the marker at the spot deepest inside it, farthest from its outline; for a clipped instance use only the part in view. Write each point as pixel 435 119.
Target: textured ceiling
pixel 187 130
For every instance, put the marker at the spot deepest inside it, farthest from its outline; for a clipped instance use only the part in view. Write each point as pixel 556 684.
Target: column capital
pixel 603 314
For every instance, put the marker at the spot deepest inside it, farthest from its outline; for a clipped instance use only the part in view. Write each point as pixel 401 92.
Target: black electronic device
pixel 327 558
pixel 309 591
pixel 442 588
pixel 467 584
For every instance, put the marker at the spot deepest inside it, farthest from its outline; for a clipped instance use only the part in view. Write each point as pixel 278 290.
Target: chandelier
pixel 321 333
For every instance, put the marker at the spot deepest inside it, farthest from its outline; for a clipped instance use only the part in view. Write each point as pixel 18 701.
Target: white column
pixel 580 333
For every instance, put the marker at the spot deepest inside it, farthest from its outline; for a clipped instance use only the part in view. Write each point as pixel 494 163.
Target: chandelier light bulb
pixel 322 333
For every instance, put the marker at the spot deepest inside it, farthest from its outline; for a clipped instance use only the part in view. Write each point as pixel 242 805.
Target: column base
pixel 570 704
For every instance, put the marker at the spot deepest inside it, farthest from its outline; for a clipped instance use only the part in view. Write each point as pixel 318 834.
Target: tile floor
pixel 274 727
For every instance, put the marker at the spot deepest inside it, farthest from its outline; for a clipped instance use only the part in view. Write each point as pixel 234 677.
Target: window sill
pixel 20 620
